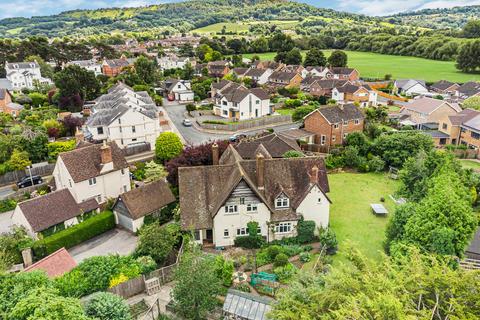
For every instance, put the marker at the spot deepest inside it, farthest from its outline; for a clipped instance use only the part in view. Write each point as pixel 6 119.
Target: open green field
pixel 375 65
pixel 351 216
pixel 470 164
pixel 243 26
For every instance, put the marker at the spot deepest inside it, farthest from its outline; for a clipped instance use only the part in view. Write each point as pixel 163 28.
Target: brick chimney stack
pixel 314 175
pixel 79 137
pixel 106 153
pixel 215 154
pixel 260 171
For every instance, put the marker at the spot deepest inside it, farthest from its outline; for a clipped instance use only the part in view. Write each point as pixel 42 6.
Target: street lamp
pixel 30 172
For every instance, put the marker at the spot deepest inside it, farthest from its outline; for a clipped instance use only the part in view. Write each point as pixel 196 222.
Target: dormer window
pixel 282 201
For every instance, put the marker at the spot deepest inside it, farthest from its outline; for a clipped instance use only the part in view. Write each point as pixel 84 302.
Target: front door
pixel 209 235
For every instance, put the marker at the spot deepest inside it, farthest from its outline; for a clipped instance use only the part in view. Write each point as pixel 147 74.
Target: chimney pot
pixel 314 175
pixel 260 171
pixel 215 154
pixel 106 153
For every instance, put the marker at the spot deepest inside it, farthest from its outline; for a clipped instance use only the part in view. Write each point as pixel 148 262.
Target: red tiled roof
pixel 55 265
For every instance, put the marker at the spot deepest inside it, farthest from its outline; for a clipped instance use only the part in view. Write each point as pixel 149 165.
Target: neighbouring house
pixel 295 68
pixel 275 193
pixel 172 61
pixel 239 72
pixel 470 133
pixel 266 64
pixel 6 104
pixel 125 116
pixel 90 65
pixel 445 87
pixel 343 73
pixel 96 171
pixel 133 206
pixel 113 67
pixel 52 212
pixel 317 86
pixel 218 69
pixel 270 146
pixel 468 89
pixel 426 110
pixel 332 124
pixel 410 87
pixel 259 76
pixel 451 125
pixel 25 75
pixel 281 79
pixel 179 90
pixel 55 264
pixel 235 101
pixel 322 72
pixel 349 93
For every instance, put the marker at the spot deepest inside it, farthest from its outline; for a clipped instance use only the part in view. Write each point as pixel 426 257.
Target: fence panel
pixel 248 124
pixel 14 176
pixel 129 288
pixel 315 148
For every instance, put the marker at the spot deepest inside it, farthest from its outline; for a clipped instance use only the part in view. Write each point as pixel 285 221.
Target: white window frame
pixel 283 227
pixel 252 207
pixel 335 126
pixel 226 233
pixel 357 121
pixel 345 122
pixel 242 232
pixel 323 139
pixel 231 209
pixel 92 181
pixel 282 201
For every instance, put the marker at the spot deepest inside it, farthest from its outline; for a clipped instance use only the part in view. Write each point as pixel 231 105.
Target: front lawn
pixel 285 112
pixel 351 216
pixel 470 164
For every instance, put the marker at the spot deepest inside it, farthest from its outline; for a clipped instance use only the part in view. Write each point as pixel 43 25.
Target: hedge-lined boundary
pixel 76 234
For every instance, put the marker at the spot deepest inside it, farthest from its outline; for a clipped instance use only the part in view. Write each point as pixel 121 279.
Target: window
pixel 357 121
pixel 335 126
pixel 224 103
pixel 196 235
pixel 323 139
pixel 334 138
pixel 444 126
pixel 231 208
pixel 242 200
pixel 120 128
pixel 121 141
pixel 319 200
pixel 92 181
pixel 124 188
pixel 283 227
pixel 475 135
pixel 122 171
pixel 133 129
pixel 226 233
pixel 241 231
pixel 345 136
pixel 257 101
pixel 282 202
pixel 345 122
pixel 100 130
pixel 134 139
pixel 70 182
pixel 225 112
pixel 252 207
pixel 119 120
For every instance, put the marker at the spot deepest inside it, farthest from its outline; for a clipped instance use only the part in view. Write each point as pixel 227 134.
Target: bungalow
pixel 445 87
pixel 179 90
pixel 52 212
pixel 133 206
pixel 410 87
pixel 266 64
pixel 275 193
pixel 468 89
pixel 259 76
pixel 428 110
pixel 279 79
pixel 6 104
pixel 239 72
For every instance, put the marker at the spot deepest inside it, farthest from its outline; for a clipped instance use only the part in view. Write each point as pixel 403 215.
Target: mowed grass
pixel 470 164
pixel 351 216
pixel 239 27
pixel 375 65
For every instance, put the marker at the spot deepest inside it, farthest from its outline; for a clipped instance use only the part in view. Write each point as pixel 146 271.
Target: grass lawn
pixel 285 112
pixel 375 65
pixel 244 26
pixel 470 164
pixel 351 216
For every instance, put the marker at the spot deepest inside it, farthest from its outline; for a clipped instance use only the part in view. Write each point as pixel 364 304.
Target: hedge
pixel 76 234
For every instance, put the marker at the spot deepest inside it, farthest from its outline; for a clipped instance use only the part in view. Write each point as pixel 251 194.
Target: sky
pixel 25 8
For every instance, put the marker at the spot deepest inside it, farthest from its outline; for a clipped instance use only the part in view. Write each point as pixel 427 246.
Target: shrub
pixel 55 148
pixel 280 260
pixel 157 241
pixel 305 257
pixel 107 306
pixel 167 146
pixel 292 154
pixel 305 231
pixel 273 251
pixel 327 238
pixel 7 205
pixel 292 249
pixel 76 234
pixel 224 270
pixel 115 281
pixel 376 164
pixel 244 287
pixel 249 242
pixel 147 264
pixel 263 258
pixel 286 272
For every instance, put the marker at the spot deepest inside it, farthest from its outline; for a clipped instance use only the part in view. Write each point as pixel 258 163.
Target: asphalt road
pixel 5 221
pixel 6 191
pixel 193 136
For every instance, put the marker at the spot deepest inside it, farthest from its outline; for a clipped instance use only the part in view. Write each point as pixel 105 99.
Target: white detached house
pixel 276 193
pixel 25 75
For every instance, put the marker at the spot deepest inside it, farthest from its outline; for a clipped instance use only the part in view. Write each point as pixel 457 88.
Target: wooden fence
pixel 129 288
pixel 315 148
pixel 247 124
pixel 466 154
pixel 470 264
pixel 41 170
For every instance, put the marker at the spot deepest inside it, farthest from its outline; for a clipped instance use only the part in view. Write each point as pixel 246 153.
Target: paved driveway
pixel 116 241
pixel 5 221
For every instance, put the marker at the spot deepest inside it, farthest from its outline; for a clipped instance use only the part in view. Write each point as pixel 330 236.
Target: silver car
pixel 187 123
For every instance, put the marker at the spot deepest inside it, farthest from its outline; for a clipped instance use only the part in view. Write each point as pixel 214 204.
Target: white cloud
pixel 449 4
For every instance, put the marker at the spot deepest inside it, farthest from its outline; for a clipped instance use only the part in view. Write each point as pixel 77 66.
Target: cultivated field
pixel 374 65
pixel 241 27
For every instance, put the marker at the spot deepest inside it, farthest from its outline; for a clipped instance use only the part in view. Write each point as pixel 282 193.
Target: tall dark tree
pixel 471 29
pixel 315 57
pixel 75 83
pixel 145 70
pixel 338 58
pixel 468 59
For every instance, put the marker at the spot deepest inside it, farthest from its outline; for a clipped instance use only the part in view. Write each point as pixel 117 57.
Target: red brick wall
pixel 317 124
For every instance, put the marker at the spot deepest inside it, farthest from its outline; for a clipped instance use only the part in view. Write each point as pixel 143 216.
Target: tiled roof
pixel 282 76
pixel 275 145
pixel 442 85
pixel 147 199
pixel 340 70
pixel 54 208
pixel 55 265
pixel 85 163
pixel 463 116
pixel 470 88
pixel 337 114
pixel 428 105
pixel 200 202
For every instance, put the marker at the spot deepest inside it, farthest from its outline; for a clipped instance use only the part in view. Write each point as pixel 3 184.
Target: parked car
pixel 187 123
pixel 237 137
pixel 29 181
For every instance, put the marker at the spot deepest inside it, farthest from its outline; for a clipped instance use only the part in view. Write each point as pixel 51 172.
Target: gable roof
pixel 428 105
pixel 470 88
pixel 275 145
pixel 240 71
pixel 55 265
pixel 235 92
pixel 406 84
pixel 147 199
pixel 255 73
pixel 54 208
pixel 341 70
pixel 473 123
pixel 282 76
pixel 200 202
pixel 442 85
pixel 22 65
pixel 85 163
pixel 463 116
pixel 117 63
pixel 349 88
pixel 339 113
